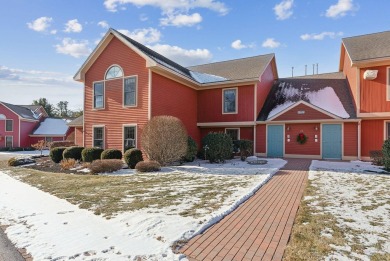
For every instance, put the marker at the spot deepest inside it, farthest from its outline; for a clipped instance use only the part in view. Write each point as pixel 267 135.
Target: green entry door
pixel 275 141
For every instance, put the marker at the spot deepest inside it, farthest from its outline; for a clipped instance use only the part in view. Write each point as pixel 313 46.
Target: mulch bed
pixel 46 164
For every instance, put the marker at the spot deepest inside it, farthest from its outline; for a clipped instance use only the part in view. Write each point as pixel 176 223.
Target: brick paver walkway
pixel 260 228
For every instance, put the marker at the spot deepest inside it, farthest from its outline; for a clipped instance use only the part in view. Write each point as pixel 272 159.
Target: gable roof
pixel 368 47
pixel 78 122
pixel 330 95
pixel 241 69
pixel 25 111
pixel 52 126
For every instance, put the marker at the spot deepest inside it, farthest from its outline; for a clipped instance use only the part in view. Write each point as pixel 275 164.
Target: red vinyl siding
pixel 351 74
pixel 9 115
pixel 26 129
pixel 174 99
pixel 373 92
pixel 350 139
pixel 78 139
pixel 210 105
pixel 310 147
pixel 260 138
pixel 372 136
pixel 246 133
pixel 264 87
pixel 114 115
pixel 310 114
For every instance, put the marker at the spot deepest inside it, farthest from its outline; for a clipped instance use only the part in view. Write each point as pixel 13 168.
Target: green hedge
pixel 218 146
pixel 132 157
pixel 72 153
pixel 192 150
pixel 386 154
pixel 111 154
pixel 91 154
pixel 56 154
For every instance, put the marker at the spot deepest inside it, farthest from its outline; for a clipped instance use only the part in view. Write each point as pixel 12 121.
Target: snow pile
pixel 327 100
pixel 52 126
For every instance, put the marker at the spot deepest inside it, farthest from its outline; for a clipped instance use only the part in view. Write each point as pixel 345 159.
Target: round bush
pixel 148 166
pixel 72 153
pixel 192 150
pixel 111 154
pixel 218 147
pixel 56 154
pixel 91 154
pixel 132 157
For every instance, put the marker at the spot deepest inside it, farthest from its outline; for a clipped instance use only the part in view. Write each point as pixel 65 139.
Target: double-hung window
pixel 387 127
pixel 9 125
pixel 98 95
pixel 130 91
pixel 229 100
pixel 9 140
pixel 129 137
pixel 98 137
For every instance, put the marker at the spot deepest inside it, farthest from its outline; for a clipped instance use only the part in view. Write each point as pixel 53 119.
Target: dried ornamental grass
pixel 68 163
pixel 148 166
pixel 106 165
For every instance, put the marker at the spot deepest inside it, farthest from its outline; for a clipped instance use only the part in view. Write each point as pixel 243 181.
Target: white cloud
pixel 320 36
pixel 53 31
pixel 238 45
pixel 41 24
pixel 143 17
pixel 340 9
pixel 170 6
pixel 73 26
pixel 183 56
pixel 73 48
pixel 145 36
pixel 270 43
pixel 103 24
pixel 283 10
pixel 181 20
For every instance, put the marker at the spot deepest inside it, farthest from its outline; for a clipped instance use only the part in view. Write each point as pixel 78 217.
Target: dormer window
pixel 114 72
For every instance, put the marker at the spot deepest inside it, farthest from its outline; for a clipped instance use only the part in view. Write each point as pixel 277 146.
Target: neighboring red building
pixel 23 125
pixel 126 84
pixel 76 127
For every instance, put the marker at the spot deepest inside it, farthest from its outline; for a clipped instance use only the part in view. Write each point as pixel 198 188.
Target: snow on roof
pixel 279 108
pixel 52 126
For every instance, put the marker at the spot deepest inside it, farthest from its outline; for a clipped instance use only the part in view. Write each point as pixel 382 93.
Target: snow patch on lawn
pixel 25 153
pixel 359 199
pixel 52 228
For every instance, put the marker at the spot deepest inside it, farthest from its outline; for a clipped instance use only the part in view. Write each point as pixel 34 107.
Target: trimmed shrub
pixel 386 154
pixel 4 149
pixel 56 154
pixel 105 165
pixel 91 154
pixel 246 148
pixel 56 144
pixel 192 150
pixel 164 139
pixel 132 157
pixel 68 163
pixel 376 157
pixel 218 146
pixel 111 154
pixel 148 166
pixel 72 153
pixel 13 162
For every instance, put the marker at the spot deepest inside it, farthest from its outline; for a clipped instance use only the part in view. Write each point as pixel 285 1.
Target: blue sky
pixel 44 42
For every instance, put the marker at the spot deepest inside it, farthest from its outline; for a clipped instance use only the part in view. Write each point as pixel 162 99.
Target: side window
pixel 98 137
pixel 233 133
pixel 98 95
pixel 130 91
pixel 129 137
pixel 387 130
pixel 229 100
pixel 9 125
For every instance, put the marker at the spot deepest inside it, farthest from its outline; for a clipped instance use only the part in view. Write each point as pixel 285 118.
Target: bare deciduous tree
pixel 164 139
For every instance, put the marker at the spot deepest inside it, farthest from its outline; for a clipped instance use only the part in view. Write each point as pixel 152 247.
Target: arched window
pixel 114 72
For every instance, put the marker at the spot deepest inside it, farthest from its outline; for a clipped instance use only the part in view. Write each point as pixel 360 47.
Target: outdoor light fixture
pixel 288 128
pixel 316 128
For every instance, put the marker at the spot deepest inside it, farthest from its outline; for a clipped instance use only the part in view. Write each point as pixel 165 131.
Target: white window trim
pixel 136 91
pixel 12 140
pixel 5 127
pixel 223 101
pixel 387 83
pixel 113 65
pixel 123 135
pixel 238 132
pixel 104 135
pixel 385 129
pixel 93 95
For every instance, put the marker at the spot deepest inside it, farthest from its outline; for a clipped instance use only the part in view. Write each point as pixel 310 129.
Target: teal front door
pixel 275 141
pixel 331 141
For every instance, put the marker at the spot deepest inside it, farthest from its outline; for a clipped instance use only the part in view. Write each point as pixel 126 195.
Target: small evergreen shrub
pixel 132 157
pixel 56 154
pixel 68 163
pixel 91 154
pixel 13 162
pixel 72 153
pixel 192 150
pixel 4 149
pixel 386 154
pixel 105 166
pixel 246 148
pixel 148 166
pixel 376 157
pixel 111 154
pixel 218 147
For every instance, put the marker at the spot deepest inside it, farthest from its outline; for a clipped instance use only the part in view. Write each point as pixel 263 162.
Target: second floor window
pixel 98 95
pixel 229 100
pixel 130 91
pixel 9 125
